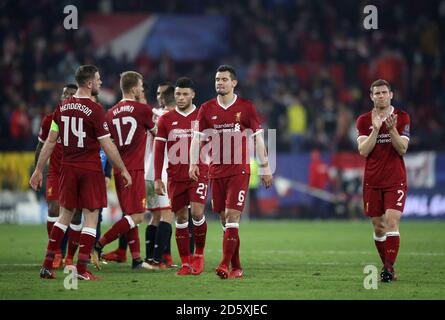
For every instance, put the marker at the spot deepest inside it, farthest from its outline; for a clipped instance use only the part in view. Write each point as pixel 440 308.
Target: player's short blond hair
pixel 129 80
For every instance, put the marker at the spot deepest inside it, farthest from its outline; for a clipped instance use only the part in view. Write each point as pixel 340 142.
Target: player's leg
pixel 199 234
pixel 183 238
pixel 394 203
pixel 86 243
pixel 236 196
pixel 192 238
pixel 374 209
pixel 74 236
pixel 230 244
pixel 152 202
pixel 379 235
pixel 150 235
pixel 53 214
pixel 55 241
pixel 163 236
pixel 120 254
pixel 392 242
pixel 196 196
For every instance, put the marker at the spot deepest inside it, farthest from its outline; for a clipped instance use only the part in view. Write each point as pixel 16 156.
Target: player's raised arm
pixel 47 150
pixel 115 158
pixel 367 143
pixel 400 143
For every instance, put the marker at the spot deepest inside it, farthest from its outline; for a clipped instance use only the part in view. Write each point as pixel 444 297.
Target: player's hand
pixel 36 180
pixel 267 180
pixel 159 187
pixel 127 178
pixel 391 122
pixel 376 119
pixel 194 172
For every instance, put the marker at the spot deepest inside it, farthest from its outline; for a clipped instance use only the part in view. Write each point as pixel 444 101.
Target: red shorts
pixel 181 193
pixel 52 187
pixel 131 199
pixel 377 201
pixel 81 188
pixel 229 192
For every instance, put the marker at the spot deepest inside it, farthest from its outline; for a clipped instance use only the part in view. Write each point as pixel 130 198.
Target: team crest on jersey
pixel 238 116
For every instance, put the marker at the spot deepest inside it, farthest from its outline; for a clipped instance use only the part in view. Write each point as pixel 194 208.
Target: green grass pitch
pixel 281 259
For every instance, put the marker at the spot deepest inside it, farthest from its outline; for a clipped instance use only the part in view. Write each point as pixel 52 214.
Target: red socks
pixel 119 228
pixel 380 245
pixel 54 242
pixel 50 223
pixel 392 244
pixel 134 243
pixel 183 242
pixel 199 233
pixel 230 242
pixel 73 239
pixel 236 264
pixel 86 243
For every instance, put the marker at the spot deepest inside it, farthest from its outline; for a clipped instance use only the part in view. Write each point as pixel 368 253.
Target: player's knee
pixel 53 209
pixel 77 217
pixel 155 219
pixel 233 216
pixel 138 218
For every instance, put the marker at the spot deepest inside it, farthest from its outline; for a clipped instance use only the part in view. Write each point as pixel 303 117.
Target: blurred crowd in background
pixel 306 64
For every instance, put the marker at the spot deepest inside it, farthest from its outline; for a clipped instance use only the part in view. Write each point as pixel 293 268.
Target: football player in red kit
pixel 175 130
pixel 383 137
pixel 227 120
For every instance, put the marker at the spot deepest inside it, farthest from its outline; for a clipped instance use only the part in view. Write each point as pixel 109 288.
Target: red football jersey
pixel 129 121
pixel 56 156
pixel 384 166
pixel 81 124
pixel 176 127
pixel 229 155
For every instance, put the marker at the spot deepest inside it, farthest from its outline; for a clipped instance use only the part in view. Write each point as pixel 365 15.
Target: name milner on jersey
pixel 76 106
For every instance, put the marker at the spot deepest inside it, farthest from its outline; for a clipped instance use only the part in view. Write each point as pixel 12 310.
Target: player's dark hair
pixel 164 83
pixel 378 83
pixel 129 80
pixel 185 82
pixel 228 68
pixel 169 96
pixel 71 86
pixel 85 73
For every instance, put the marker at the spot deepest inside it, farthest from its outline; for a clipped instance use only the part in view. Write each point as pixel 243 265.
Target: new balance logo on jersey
pixel 174 123
pixel 214 117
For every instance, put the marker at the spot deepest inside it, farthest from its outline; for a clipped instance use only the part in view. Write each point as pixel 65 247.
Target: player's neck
pixel 187 110
pixel 226 100
pixel 83 93
pixel 386 111
pixel 169 108
pixel 129 97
